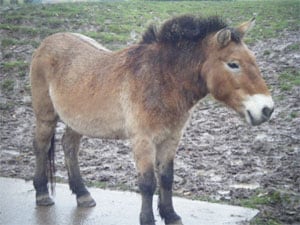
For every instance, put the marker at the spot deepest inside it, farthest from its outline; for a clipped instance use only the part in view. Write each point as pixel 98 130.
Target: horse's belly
pixel 105 126
pixel 93 118
pixel 99 127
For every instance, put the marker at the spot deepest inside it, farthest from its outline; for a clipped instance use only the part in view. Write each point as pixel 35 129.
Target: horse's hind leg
pixel 42 143
pixel 164 163
pixel 70 142
pixel 46 120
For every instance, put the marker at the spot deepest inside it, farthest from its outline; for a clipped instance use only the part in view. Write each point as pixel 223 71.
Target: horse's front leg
pixel 70 143
pixel 164 163
pixel 144 155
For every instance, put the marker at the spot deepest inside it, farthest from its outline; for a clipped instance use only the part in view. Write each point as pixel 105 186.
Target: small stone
pixel 261 142
pixel 27 100
pixel 187 193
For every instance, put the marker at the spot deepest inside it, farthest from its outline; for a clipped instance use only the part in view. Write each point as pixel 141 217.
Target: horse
pixel 144 93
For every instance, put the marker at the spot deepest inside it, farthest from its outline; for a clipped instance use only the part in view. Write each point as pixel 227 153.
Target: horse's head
pixel 233 77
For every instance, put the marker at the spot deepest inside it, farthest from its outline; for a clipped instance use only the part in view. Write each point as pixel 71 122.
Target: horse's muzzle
pixel 258 109
pixel 266 115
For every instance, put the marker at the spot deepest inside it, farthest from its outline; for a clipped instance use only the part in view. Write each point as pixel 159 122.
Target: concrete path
pixel 17 207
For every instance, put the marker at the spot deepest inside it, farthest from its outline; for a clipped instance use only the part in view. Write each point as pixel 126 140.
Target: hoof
pixel 178 222
pixel 147 218
pixel 150 223
pixel 44 200
pixel 86 201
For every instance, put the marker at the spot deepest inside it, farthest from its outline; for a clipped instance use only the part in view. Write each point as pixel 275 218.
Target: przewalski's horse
pixel 143 93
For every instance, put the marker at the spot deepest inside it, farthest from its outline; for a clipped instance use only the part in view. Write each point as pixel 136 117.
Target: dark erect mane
pixel 183 28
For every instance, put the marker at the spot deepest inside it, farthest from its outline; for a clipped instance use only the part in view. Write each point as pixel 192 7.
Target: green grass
pixel 9 42
pixel 117 19
pixel 269 202
pixel 105 185
pixel 289 78
pixel 6 42
pixel 293 47
pixel 8 85
pixel 98 184
pixel 294 114
pixel 265 199
pixel 14 65
pixel 261 199
pixel 260 221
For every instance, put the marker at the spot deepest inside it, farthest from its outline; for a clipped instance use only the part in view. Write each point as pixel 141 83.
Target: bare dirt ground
pixel 219 157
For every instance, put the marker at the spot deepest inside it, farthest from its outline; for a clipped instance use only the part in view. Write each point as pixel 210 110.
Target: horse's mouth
pixel 253 121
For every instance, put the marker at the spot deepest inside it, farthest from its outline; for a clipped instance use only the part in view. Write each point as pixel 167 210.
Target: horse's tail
pixel 51 165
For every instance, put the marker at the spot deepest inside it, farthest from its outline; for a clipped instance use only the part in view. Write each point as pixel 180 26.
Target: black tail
pixel 51 165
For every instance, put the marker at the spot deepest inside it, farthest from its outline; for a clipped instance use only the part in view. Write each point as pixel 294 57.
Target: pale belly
pixel 99 127
pixel 92 117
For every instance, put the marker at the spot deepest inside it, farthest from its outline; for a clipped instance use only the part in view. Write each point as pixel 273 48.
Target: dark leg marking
pixel 70 142
pixel 147 186
pixel 165 204
pixel 42 144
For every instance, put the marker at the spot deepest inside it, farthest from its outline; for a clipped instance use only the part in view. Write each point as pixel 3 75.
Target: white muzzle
pixel 258 108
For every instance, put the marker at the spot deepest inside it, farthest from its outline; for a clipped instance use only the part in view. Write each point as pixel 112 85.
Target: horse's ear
pixel 223 37
pixel 243 28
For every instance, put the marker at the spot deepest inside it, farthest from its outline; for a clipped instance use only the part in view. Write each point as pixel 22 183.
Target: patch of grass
pixel 22 73
pixel 294 114
pixel 260 221
pixel 267 199
pixel 289 78
pixel 293 47
pixel 267 52
pixel 31 31
pixel 8 42
pixel 98 184
pixel 8 85
pixel 105 185
pixel 17 28
pixel 14 65
pixel 120 18
pixel 260 199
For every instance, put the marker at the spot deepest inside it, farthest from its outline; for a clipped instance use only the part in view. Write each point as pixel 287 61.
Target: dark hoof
pixel 44 200
pixel 150 223
pixel 147 222
pixel 171 218
pixel 178 222
pixel 86 201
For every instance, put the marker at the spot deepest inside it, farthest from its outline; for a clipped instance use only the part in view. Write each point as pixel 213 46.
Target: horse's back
pixel 70 49
pixel 80 79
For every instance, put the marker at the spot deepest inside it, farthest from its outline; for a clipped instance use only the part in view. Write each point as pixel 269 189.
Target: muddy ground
pixel 219 158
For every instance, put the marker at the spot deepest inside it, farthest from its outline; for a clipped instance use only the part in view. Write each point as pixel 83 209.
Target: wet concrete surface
pixel 17 207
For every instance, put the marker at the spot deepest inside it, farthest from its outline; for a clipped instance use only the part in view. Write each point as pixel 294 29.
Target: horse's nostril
pixel 267 112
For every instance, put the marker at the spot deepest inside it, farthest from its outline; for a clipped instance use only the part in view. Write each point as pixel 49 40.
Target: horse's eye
pixel 233 65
